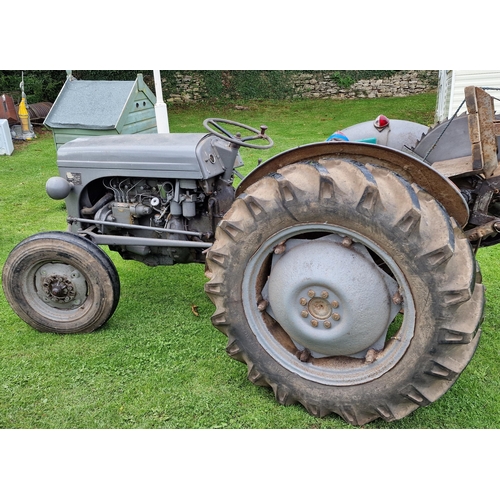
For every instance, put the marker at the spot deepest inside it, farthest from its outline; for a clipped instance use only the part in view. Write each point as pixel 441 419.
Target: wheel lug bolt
pixel 311 293
pixel 324 294
pixel 303 301
pixel 262 305
pixel 397 298
pixel 314 323
pixel 347 242
pixel 335 304
pixel 336 316
pixel 327 324
pixel 304 314
pixel 280 248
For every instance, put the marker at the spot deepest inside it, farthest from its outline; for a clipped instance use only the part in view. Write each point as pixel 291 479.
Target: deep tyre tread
pixel 84 266
pixel 428 250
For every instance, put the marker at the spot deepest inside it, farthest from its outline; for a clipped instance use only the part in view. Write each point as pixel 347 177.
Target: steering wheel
pixel 237 139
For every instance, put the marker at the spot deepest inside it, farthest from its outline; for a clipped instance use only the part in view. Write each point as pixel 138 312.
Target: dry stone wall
pixel 322 86
pixel 187 86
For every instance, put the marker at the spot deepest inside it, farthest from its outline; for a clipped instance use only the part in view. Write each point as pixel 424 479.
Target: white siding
pixel 451 89
pixel 444 94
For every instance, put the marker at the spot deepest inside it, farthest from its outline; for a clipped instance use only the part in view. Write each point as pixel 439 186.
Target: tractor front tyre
pixel 346 289
pixel 61 283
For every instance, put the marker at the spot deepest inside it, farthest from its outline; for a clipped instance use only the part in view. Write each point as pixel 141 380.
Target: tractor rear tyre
pixel 61 283
pixel 346 289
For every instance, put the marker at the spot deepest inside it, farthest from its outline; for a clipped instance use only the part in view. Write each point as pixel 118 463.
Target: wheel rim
pixel 56 290
pixel 317 325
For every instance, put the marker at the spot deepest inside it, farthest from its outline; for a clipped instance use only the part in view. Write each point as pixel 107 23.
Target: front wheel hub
pixel 60 285
pixel 58 288
pixel 330 298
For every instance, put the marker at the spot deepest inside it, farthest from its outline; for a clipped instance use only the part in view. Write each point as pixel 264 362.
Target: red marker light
pixel 381 122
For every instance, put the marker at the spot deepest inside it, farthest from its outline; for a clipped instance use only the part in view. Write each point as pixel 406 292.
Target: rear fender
pixel 410 168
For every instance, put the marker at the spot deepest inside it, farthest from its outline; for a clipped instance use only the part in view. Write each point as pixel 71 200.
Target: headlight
pixel 58 188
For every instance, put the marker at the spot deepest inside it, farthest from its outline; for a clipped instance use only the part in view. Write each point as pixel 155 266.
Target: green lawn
pixel 156 364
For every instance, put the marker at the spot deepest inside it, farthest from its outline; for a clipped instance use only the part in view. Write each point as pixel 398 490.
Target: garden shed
pixel 451 89
pixel 100 107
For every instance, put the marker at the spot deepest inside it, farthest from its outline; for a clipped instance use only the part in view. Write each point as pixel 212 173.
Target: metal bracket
pixel 481 232
pixel 485 192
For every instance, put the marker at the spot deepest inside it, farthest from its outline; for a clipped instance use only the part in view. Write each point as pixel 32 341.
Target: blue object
pixel 337 136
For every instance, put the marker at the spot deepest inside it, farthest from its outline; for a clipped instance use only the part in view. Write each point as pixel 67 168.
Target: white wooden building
pixel 451 89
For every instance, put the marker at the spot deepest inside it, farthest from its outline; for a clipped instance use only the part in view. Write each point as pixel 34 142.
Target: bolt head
pixel 336 316
pixel 262 305
pixel 280 248
pixel 324 294
pixel 397 299
pixel 311 293
pixel 303 301
pixel 314 323
pixel 347 242
pixel 327 324
pixel 304 314
pixel 335 304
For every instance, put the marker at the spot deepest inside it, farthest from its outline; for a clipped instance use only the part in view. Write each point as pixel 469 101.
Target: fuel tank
pixel 396 134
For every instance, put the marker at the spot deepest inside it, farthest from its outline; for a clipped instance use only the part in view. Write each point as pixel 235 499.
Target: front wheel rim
pixel 39 288
pixel 326 368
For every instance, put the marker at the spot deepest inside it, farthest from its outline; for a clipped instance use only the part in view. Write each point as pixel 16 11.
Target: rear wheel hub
pixel 329 298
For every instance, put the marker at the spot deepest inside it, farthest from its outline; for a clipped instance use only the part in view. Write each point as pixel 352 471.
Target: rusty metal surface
pixel 482 130
pixel 479 232
pixel 8 109
pixel 408 167
pixel 39 111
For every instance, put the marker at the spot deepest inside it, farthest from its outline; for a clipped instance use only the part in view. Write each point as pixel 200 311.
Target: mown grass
pixel 159 363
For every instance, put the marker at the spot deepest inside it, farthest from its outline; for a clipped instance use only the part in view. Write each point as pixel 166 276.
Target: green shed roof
pixel 95 104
